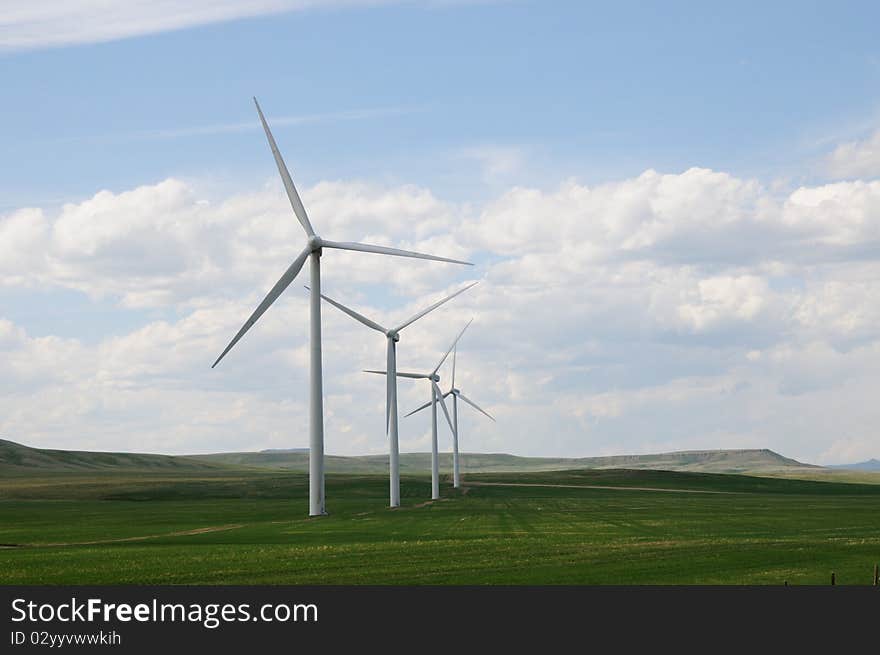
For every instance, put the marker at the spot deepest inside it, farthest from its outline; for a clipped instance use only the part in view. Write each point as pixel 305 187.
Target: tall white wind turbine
pixel 312 252
pixel 456 394
pixel 392 336
pixel 436 396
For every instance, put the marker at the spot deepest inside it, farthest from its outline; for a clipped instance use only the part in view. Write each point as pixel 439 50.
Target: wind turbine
pixel 392 336
pixel 436 396
pixel 456 394
pixel 312 252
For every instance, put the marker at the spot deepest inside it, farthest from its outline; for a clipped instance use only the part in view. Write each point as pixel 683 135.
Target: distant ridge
pixel 868 465
pixel 718 461
pixel 708 461
pixel 15 457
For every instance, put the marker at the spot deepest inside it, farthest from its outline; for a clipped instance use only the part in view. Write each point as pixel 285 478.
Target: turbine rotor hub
pixel 315 242
pixel 394 336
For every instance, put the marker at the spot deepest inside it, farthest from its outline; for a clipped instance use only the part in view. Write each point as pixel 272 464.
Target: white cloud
pixel 725 298
pixel 163 245
pixel 22 235
pixel 664 311
pixel 701 217
pixel 277 121
pixel 856 158
pixel 25 24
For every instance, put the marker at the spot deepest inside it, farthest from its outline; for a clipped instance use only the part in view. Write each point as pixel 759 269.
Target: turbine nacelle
pixel 315 243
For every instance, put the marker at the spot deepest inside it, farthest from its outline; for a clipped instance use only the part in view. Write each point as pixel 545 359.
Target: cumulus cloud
pixel 22 235
pixel 699 217
pixel 856 158
pixel 688 310
pixel 163 245
pixel 725 298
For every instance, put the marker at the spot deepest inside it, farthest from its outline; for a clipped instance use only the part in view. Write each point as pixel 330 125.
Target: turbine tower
pixel 392 336
pixel 456 394
pixel 436 396
pixel 312 252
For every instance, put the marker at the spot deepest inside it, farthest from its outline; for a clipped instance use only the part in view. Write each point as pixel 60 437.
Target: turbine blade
pixel 474 405
pixel 416 317
pixel 276 291
pixel 295 202
pixel 358 317
pixel 415 376
pixel 443 359
pixel 425 406
pixel 384 250
pixel 442 402
pixel 419 408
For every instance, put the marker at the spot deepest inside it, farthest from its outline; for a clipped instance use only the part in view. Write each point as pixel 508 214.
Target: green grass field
pixel 231 526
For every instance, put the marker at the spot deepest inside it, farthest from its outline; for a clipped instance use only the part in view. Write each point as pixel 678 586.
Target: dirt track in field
pixel 597 486
pixel 179 533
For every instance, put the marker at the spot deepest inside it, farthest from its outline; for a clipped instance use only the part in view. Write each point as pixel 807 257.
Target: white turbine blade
pixel 443 359
pixel 413 319
pixel 425 406
pixel 419 408
pixel 295 202
pixel 474 405
pixel 276 291
pixel 358 317
pixel 384 250
pixel 416 376
pixel 442 402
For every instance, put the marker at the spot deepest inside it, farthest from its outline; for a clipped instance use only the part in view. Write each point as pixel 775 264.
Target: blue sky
pixel 587 90
pixel 523 117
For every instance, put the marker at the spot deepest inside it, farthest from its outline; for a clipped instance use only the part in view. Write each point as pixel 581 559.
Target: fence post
pixel 876 576
pixel 833 582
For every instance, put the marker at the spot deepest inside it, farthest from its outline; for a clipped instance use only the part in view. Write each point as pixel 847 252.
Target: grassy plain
pixel 249 526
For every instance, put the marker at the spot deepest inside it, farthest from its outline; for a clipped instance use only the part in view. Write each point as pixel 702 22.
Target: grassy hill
pixel 17 458
pixel 706 461
pixel 116 518
pixel 249 526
